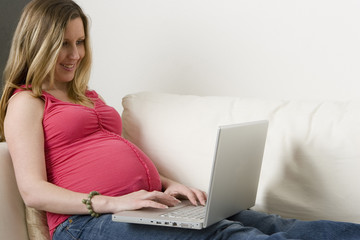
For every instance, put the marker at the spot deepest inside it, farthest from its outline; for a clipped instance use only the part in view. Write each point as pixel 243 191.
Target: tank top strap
pixel 92 94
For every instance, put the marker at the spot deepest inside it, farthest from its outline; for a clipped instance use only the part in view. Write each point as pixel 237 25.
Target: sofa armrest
pixel 12 219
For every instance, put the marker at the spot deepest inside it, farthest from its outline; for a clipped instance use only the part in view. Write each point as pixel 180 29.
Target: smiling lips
pixel 68 67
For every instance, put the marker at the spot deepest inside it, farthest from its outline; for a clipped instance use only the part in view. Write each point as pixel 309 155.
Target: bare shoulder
pixel 26 99
pixel 25 103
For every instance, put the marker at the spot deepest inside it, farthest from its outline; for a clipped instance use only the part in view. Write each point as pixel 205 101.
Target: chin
pixel 65 79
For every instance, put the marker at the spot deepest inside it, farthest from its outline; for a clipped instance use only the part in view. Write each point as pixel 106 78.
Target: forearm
pixel 58 200
pixel 48 197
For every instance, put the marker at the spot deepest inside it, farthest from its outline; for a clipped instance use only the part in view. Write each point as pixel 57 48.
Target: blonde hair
pixel 35 48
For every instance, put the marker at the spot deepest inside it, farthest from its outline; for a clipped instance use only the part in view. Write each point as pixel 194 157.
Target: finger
pixel 152 204
pixel 201 196
pixel 192 195
pixel 196 196
pixel 164 198
pixel 172 193
pixel 189 194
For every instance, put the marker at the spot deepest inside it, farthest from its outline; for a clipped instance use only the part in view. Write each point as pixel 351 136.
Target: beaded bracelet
pixel 88 203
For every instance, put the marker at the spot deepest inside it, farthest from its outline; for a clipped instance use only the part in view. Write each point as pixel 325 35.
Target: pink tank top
pixel 85 152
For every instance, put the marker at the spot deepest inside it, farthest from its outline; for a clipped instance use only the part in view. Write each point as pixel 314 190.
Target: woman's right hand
pixel 136 200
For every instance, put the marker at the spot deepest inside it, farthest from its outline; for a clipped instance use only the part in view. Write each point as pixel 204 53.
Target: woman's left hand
pixel 179 190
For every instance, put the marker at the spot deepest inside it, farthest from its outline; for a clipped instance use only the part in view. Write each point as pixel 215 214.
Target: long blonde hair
pixel 35 48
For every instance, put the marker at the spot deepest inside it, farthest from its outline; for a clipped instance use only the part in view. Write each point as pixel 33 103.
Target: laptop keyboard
pixel 189 212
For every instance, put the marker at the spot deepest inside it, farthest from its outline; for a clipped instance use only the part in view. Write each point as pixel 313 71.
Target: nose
pixel 74 53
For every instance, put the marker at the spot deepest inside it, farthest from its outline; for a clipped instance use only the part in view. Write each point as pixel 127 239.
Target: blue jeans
pixel 247 224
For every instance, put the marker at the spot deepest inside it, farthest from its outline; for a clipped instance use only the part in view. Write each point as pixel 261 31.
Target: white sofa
pixel 311 162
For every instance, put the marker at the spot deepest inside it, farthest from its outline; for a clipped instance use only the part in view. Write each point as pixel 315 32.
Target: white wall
pixel 257 48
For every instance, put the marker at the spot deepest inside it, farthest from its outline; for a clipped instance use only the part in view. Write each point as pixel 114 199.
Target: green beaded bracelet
pixel 88 203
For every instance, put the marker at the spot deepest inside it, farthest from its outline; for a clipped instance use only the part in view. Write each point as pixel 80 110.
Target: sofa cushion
pixel 311 160
pixel 37 226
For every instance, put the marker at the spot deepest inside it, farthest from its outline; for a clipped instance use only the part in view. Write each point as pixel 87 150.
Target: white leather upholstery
pixel 312 155
pixel 12 217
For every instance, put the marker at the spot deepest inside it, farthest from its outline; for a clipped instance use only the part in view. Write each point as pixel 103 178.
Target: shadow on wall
pixel 10 12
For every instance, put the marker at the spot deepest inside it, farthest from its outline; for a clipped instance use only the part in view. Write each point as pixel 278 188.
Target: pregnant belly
pixel 112 167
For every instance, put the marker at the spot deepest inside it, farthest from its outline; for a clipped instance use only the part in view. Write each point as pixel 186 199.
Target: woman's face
pixel 71 52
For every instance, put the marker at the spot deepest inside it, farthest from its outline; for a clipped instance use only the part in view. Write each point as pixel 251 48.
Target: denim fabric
pixel 247 224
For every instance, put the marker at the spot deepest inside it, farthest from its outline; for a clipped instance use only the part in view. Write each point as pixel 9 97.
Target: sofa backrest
pixel 12 218
pixel 312 154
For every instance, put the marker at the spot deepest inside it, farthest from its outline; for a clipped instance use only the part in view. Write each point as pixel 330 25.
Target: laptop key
pixel 189 212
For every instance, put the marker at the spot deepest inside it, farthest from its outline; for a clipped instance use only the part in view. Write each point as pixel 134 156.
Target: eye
pixel 80 42
pixel 65 43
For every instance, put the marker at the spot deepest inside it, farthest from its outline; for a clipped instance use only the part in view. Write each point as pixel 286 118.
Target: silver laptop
pixel 233 183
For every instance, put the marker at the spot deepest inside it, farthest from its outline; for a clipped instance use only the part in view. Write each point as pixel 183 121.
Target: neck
pixel 62 87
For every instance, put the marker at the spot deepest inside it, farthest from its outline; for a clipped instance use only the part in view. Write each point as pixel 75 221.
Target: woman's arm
pixel 25 138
